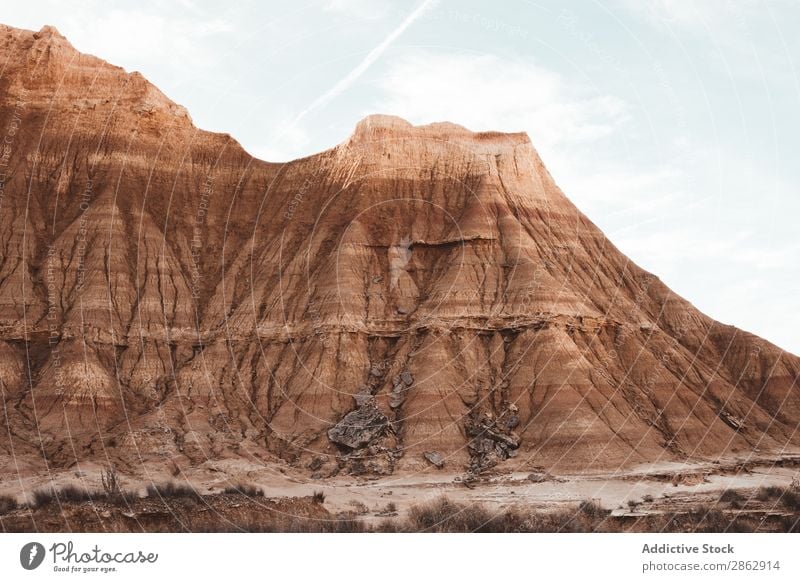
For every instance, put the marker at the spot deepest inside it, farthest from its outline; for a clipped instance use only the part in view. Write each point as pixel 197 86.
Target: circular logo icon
pixel 31 555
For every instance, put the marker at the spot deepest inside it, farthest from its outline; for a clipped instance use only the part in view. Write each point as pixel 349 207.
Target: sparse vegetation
pixel 111 484
pixel 732 496
pixel 7 503
pixel 343 524
pixel 170 490
pixel 66 494
pixel 647 498
pixel 112 493
pixel 442 514
pixel 710 519
pixel 358 507
pixel 242 489
pixel 387 526
pixel 770 509
pixel 592 509
pixel 768 493
pixel 787 497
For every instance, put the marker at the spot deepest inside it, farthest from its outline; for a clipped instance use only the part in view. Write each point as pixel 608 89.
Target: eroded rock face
pixel 434 459
pixel 359 427
pixel 163 295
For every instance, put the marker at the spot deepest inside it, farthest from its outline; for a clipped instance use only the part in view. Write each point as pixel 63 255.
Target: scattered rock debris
pixel 359 427
pixel 490 442
pixel 434 458
pixel 400 385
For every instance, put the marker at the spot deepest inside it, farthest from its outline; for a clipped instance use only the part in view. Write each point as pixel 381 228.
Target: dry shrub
pixel 787 497
pixel 7 503
pixel 171 490
pixel 66 494
pixel 592 509
pixel 242 489
pixel 731 496
pixel 358 507
pixel 388 526
pixel 444 515
pixel 110 482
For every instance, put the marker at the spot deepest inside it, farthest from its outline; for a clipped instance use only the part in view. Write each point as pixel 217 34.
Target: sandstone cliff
pixel 414 297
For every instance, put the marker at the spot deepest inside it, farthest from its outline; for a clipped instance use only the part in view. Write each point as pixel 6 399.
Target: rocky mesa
pixel 415 298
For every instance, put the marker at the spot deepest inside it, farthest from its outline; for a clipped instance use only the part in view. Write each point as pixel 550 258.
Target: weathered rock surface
pixel 163 296
pixel 360 427
pixel 434 459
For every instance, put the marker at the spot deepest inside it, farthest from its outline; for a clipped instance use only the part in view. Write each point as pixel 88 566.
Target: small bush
pixel 592 510
pixel 67 494
pixel 241 489
pixel 124 498
pixel 7 503
pixel 791 499
pixel 731 496
pixel 647 498
pixel 786 497
pixel 444 515
pixel 318 497
pixel 110 482
pixel 43 497
pixel 704 519
pixel 358 507
pixel 388 526
pixel 790 524
pixel 112 487
pixel 171 490
pixel 391 507
pixel 347 524
pixel 768 493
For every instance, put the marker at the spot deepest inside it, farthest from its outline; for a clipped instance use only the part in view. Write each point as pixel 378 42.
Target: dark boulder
pixel 359 427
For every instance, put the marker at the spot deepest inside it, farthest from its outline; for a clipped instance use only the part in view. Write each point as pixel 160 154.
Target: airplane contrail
pixel 373 56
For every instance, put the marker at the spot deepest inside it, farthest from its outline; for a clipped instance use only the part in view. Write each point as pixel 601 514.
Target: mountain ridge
pixel 167 297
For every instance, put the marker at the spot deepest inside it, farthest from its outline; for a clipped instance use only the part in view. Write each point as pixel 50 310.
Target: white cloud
pixel 285 142
pixel 361 9
pixel 373 55
pixel 141 37
pixel 124 36
pixel 693 13
pixel 683 215
pixel 567 122
pixel 485 92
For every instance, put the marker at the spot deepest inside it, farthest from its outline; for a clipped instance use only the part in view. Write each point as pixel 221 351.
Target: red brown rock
pixel 165 295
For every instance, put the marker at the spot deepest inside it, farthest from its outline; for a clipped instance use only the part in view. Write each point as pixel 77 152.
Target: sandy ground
pixel 612 492
pixel 371 497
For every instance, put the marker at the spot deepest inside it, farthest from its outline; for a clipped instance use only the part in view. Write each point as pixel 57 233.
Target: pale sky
pixel 673 124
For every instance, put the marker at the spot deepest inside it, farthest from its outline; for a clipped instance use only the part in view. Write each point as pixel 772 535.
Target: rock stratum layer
pixel 414 298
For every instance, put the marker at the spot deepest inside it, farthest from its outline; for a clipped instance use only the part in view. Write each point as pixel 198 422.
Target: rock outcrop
pixel 164 295
pixel 359 427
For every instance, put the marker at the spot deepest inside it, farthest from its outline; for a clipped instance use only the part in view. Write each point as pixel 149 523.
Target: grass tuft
pixel 7 503
pixel 171 490
pixel 242 489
